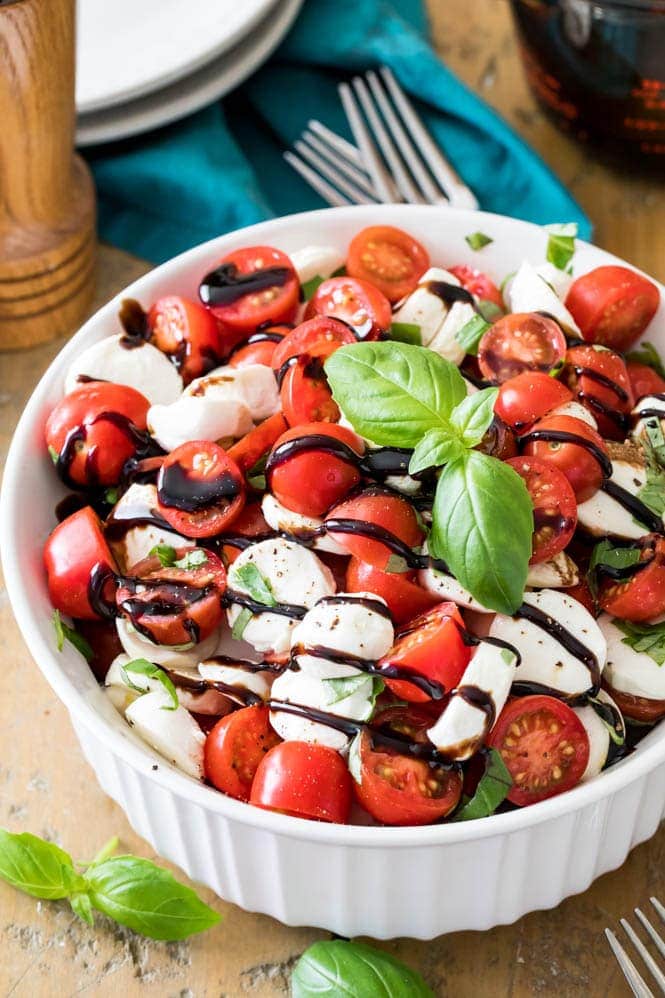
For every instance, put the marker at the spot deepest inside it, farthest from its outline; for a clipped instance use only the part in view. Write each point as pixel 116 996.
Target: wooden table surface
pixel 47 788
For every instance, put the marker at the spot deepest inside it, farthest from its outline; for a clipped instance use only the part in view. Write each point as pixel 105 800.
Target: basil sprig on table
pixel 399 395
pixel 335 967
pixel 130 890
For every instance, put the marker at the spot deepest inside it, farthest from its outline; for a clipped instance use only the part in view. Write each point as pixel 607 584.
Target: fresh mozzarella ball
pixel 118 690
pixel 557 279
pixel 173 733
pixel 650 403
pixel 529 292
pixel 630 671
pixel 601 514
pixel 137 502
pixel 300 688
pixel 424 308
pixel 346 626
pixel 598 734
pixel 280 518
pixel 122 694
pixel 462 727
pixel 295 575
pixel 142 367
pixel 448 588
pixel 254 385
pixel 171 656
pixel 577 411
pixel 444 342
pixel 560 572
pixel 316 261
pixel 544 659
pixel 197 418
pixel 255 682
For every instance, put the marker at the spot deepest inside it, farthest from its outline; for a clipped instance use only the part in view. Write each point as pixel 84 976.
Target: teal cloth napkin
pixel 222 168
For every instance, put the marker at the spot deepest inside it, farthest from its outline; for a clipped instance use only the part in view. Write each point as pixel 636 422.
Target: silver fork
pixel 635 980
pixel 394 158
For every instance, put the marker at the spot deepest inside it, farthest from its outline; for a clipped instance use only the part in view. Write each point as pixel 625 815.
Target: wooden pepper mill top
pixel 47 205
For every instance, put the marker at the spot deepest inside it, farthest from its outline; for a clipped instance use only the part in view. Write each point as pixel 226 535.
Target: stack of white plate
pixel 145 63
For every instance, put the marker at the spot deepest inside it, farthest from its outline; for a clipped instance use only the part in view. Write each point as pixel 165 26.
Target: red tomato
pixel 499 441
pixel 527 397
pixel 200 490
pixel 304 393
pixel 579 462
pixel 102 636
pixel 318 337
pixel 554 506
pixel 522 341
pixel 583 595
pixel 75 550
pixel 399 790
pixel 174 606
pixel 637 708
pixel 187 333
pixel 249 523
pixel 359 304
pixel 250 287
pixel 405 598
pixel 613 305
pixel 317 470
pixel 305 780
pixel 374 514
pixel 431 647
pixel 235 747
pixel 390 259
pixel 640 596
pixel 478 284
pixel 94 430
pixel 599 379
pixel 259 348
pixel 544 745
pixel 257 442
pixel 644 380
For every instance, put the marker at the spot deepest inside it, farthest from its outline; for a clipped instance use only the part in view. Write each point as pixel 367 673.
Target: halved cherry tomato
pixel 259 348
pixel 249 523
pixel 200 489
pixel 544 745
pixel 583 595
pixel 174 606
pixel 641 709
pixel 405 598
pixel 432 647
pixel 599 379
pixel 312 476
pixel 94 430
pixel 257 442
pixel 356 302
pixel 577 461
pixel 554 506
pixel 644 380
pixel 318 337
pixel 250 287
pixel 235 747
pixel 478 284
pixel 305 780
pixel 640 596
pixel 399 790
pixel 407 720
pixel 521 341
pixel 360 524
pixel 498 441
pixel 527 397
pixel 388 258
pixel 75 550
pixel 187 333
pixel 305 394
pixel 613 305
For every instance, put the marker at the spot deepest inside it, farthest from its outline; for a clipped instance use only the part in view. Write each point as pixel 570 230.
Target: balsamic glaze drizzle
pixel 225 285
pixel 564 437
pixel 567 640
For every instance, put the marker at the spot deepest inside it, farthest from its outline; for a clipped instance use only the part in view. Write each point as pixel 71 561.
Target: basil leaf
pixel 396 565
pixel 142 667
pixel 561 244
pixel 82 907
pixel 471 333
pixel 477 240
pixel 474 414
pixel 393 393
pixel 53 454
pixel 609 716
pixel 333 968
pixel 147 899
pixel 647 354
pixel 111 496
pixel 406 332
pixel 652 493
pixel 482 528
pixel 192 559
pixel 241 622
pixel 253 583
pixel 437 447
pixel 655 441
pixel 65 633
pixel 648 638
pixel 165 553
pixel 41 869
pixel 310 286
pixel 489 309
pixel 493 788
pixel 344 686
pixel 605 553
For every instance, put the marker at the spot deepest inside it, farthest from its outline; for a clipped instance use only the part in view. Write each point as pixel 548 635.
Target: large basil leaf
pixel 482 528
pixel 437 447
pixel 393 393
pixel 37 867
pixel 337 968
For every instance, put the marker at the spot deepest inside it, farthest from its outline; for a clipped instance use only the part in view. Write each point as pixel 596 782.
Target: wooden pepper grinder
pixel 47 200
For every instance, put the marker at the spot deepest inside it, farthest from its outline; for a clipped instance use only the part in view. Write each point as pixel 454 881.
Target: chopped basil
pixel 142 667
pixel 493 788
pixel 344 686
pixel 167 557
pixel 111 496
pixel 340 272
pixel 648 638
pixel 646 353
pixel 489 309
pixel 65 633
pixel 603 709
pixel 253 583
pixel 605 553
pixel 471 333
pixel 241 622
pixel 406 332
pixel 652 493
pixel 655 441
pixel 257 482
pixel 166 554
pixel 53 454
pixel 396 564
pixel 561 244
pixel 310 286
pixel 477 240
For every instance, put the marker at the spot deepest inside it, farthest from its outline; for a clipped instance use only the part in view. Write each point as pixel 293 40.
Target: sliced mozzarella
pixel 316 261
pixel 598 734
pixel 294 574
pixel 305 690
pixel 529 292
pixel 602 515
pixel 142 367
pixel 448 588
pixel 444 342
pixel 545 660
pixel 577 411
pixel 244 679
pixel 462 727
pixel 119 692
pixel 173 733
pixel 651 404
pixel 560 572
pixel 172 656
pixel 280 518
pixel 346 626
pixel 198 418
pixel 423 307
pixel 254 385
pixel 138 502
pixel 558 280
pixel 630 671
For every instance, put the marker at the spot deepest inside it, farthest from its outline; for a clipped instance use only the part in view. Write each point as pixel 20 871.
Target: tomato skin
pixel 101 410
pixel 580 467
pixel 405 598
pixel 644 380
pixel 257 442
pixel 200 489
pixel 641 597
pixel 312 481
pixel 431 646
pixel 583 595
pixel 250 522
pixel 534 735
pixel 187 333
pixel 389 258
pixel 72 551
pixel 383 509
pixel 613 305
pixel 587 370
pixel 275 302
pixel 478 283
pixel 305 395
pixel 356 302
pixel 399 790
pixel 304 779
pixel 637 708
pixel 554 506
pixel 527 397
pixel 521 341
pixel 318 337
pixel 259 348
pixel 235 747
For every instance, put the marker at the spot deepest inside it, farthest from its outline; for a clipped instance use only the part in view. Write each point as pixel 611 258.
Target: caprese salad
pixel 356 536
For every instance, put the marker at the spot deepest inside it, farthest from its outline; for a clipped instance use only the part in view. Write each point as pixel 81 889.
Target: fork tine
pixel 659 908
pixel 321 187
pixel 458 193
pixel 335 141
pixel 331 173
pixel 628 968
pixel 354 173
pixel 657 941
pixel 649 961
pixel 371 158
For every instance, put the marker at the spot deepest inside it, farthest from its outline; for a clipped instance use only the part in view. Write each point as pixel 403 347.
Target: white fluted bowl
pixel 352 880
